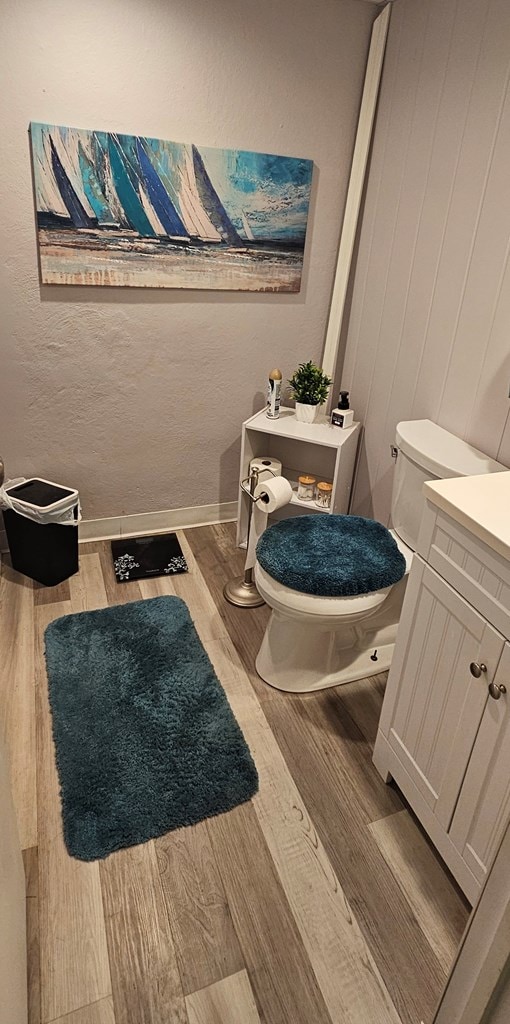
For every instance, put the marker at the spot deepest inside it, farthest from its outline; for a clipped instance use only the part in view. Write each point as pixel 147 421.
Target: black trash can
pixel 46 552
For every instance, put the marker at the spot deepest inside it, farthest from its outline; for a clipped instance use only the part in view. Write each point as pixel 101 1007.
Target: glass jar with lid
pixel 306 487
pixel 324 492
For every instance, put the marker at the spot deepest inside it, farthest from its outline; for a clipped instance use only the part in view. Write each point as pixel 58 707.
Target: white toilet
pixel 312 642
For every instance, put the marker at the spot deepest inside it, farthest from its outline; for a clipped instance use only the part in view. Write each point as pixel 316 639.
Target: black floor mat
pixel 140 558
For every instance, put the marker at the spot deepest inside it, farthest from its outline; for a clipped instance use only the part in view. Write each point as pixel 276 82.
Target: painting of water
pixel 128 210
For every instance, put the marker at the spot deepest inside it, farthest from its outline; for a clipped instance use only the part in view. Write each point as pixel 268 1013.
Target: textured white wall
pixel 135 396
pixel 429 327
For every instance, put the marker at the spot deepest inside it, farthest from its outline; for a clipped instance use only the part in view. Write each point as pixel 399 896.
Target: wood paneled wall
pixel 429 331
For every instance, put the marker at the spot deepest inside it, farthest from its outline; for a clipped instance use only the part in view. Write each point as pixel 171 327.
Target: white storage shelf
pixel 325 452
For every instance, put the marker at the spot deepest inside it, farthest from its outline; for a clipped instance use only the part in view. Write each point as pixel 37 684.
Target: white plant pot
pixel 307 413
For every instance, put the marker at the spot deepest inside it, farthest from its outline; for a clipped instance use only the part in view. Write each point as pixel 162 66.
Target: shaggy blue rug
pixel 145 738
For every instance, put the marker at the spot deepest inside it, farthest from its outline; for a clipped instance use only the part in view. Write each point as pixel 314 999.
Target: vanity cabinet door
pixel 439 703
pixel 483 809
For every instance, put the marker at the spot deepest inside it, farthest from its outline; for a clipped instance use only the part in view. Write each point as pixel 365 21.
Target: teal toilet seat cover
pixel 331 556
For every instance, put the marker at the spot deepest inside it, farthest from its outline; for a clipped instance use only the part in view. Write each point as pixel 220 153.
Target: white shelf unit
pixel 326 452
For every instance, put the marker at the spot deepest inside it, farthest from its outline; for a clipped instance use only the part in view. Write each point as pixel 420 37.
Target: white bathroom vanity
pixel 444 733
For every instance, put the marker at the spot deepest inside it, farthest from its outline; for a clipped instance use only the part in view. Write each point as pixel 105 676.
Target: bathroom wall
pixel 135 396
pixel 429 327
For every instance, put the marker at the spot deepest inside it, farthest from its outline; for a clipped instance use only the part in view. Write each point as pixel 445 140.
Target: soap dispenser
pixel 343 416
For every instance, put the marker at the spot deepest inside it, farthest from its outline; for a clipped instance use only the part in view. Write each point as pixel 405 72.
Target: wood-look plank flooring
pixel 226 1002
pixel 17 704
pixel 318 901
pixel 31 866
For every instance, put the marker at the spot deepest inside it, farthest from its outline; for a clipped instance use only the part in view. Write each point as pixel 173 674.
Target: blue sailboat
pixel 212 203
pixel 128 196
pixel 159 198
pixel 77 212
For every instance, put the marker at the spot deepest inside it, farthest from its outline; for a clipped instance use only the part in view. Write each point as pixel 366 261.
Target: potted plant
pixel 309 388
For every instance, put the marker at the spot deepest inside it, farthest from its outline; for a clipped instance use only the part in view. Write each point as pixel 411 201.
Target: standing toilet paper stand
pixel 242 591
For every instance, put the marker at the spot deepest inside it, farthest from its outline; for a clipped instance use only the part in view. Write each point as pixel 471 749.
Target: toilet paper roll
pixel 267 467
pixel 273 493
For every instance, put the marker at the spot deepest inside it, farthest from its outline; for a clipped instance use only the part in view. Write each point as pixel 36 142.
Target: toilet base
pixel 299 658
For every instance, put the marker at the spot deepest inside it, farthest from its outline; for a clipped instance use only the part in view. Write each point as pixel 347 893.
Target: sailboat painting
pixel 126 210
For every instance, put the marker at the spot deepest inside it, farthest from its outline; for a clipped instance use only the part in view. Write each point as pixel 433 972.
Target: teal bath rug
pixel 145 738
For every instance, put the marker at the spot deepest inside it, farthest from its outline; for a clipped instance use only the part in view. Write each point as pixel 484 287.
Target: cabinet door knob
pixel 476 668
pixel 496 690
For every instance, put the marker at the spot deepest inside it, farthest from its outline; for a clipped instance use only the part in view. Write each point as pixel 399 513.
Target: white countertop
pixel 479 503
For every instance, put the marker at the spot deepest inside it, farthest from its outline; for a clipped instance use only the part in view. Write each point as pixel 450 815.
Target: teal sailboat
pixel 128 196
pixel 103 171
pixel 92 187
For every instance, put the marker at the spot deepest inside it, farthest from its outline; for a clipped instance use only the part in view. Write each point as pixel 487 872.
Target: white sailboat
pixel 66 146
pixel 48 195
pixel 150 212
pixel 194 217
pixel 246 227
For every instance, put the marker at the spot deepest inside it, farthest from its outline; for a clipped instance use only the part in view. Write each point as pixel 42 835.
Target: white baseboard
pixel 142 523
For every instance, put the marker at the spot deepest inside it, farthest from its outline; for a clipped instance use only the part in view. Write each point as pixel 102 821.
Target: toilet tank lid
pixel 441 453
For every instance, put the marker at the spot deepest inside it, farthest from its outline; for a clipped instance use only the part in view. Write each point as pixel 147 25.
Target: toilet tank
pixel 427 452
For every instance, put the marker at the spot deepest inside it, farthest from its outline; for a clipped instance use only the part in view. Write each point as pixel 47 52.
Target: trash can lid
pixel 40 493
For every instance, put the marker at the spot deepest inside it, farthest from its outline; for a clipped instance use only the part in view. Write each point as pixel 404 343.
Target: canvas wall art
pixel 128 210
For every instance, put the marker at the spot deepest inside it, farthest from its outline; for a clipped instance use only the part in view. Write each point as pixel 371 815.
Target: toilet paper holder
pixel 249 485
pixel 242 591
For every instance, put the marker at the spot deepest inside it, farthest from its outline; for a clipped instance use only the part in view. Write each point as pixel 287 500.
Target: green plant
pixel 309 385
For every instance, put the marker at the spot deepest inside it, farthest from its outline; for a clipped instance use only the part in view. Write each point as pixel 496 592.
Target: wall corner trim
pixel 355 188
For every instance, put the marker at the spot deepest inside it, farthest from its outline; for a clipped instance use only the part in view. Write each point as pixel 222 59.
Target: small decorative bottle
pixel 274 391
pixel 343 416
